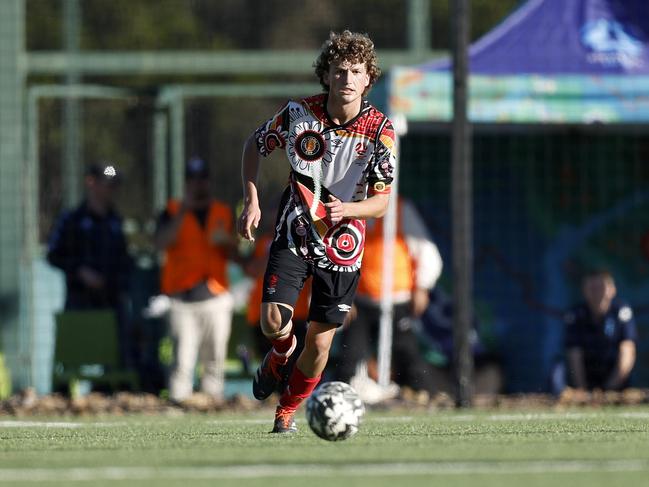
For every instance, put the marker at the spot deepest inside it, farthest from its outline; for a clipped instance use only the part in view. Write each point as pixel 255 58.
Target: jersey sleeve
pixel 273 133
pixel 626 319
pixel 381 171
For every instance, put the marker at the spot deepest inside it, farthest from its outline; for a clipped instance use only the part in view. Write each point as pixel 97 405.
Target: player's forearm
pixel 250 171
pixel 625 364
pixel 372 207
pixel 627 357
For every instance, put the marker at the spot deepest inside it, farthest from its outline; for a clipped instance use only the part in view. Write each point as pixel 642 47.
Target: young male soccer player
pixel 341 152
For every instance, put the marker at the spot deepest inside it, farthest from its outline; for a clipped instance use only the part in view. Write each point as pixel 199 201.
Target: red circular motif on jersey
pixel 272 140
pixel 344 242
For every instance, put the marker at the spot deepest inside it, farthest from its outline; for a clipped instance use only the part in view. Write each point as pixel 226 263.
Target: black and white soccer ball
pixel 334 411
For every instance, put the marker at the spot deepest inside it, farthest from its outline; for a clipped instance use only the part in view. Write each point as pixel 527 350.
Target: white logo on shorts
pixel 344 308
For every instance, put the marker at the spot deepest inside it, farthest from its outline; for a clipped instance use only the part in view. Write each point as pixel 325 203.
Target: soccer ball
pixel 334 411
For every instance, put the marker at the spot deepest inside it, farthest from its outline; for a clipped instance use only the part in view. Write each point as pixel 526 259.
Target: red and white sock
pixel 299 388
pixel 283 349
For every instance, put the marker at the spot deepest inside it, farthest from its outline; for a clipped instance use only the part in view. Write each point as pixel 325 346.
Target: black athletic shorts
pixel 332 292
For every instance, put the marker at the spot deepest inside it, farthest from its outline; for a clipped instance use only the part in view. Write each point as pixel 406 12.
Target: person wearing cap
pixel 196 237
pixel 88 245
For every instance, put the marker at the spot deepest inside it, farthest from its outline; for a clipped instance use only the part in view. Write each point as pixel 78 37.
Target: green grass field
pixel 578 448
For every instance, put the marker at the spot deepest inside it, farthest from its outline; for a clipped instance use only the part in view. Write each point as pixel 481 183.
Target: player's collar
pixel 365 105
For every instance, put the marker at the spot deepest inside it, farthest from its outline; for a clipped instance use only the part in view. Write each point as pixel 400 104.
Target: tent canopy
pixel 561 61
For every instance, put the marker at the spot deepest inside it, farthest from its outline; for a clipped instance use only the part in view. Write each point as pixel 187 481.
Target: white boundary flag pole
pixel 389 234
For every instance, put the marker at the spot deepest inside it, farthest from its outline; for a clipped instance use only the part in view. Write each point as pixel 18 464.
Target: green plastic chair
pixel 87 349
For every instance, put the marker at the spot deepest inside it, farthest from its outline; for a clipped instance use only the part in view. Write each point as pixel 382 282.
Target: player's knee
pixel 321 344
pixel 276 321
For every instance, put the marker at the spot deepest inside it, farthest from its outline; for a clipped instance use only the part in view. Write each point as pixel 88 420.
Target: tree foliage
pixel 120 131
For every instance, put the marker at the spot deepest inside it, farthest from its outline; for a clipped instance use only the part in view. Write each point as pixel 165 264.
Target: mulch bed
pixel 28 403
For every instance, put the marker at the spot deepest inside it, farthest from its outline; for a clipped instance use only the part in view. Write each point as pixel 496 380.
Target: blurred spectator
pixel 256 268
pixel 600 338
pixel 196 235
pixel 436 335
pixel 417 266
pixel 88 245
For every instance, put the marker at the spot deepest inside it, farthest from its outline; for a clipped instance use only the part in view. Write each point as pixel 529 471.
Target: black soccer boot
pixel 272 374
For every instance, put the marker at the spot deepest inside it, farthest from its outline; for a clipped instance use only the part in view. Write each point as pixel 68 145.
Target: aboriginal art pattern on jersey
pixel 350 162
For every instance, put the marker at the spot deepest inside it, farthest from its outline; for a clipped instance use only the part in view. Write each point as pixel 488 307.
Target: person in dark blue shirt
pixel 600 337
pixel 88 245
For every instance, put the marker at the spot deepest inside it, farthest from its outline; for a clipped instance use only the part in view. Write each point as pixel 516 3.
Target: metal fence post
pixel 12 78
pixel 72 127
pixel 462 207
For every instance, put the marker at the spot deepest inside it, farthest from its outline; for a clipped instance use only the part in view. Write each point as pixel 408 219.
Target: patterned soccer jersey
pixel 350 161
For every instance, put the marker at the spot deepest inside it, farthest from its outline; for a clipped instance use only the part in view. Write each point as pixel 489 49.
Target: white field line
pixel 542 416
pixel 347 470
pixel 635 414
pixel 55 424
pixel 552 416
pixel 569 415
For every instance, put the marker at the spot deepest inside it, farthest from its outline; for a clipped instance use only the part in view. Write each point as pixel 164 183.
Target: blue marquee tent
pixel 551 61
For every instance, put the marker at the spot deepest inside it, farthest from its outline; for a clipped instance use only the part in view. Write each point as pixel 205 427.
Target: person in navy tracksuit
pixel 600 339
pixel 87 243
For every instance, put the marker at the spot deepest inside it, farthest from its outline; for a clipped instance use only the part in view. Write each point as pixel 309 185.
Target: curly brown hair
pixel 348 46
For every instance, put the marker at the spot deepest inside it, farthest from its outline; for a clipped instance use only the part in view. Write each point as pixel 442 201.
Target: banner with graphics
pixel 427 96
pixel 555 61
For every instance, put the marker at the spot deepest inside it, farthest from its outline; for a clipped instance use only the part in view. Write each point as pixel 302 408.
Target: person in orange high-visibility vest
pixel 196 237
pixel 416 267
